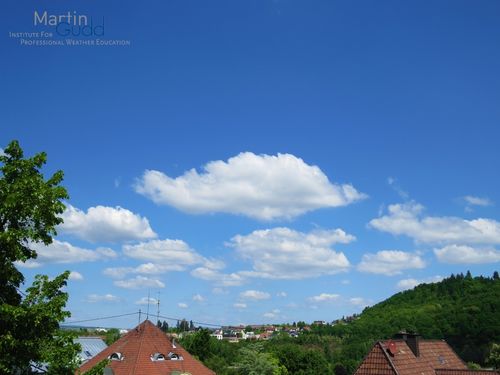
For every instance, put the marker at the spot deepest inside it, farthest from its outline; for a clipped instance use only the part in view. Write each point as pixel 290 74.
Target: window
pixel 116 356
pixel 158 357
pixel 175 357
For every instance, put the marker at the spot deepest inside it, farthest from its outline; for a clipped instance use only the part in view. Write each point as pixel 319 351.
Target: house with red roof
pixel 408 354
pixel 146 350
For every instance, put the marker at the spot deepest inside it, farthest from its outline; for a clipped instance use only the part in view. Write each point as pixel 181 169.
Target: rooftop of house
pixel 91 346
pixel 146 350
pixel 411 355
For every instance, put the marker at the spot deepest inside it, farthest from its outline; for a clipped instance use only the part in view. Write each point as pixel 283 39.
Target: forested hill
pixel 463 310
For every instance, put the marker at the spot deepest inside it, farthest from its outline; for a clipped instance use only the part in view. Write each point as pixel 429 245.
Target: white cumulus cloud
pixel 94 298
pixel 477 201
pixel 463 254
pixel 64 252
pixel 240 305
pixel 390 262
pixel 139 282
pixel 283 253
pixel 263 187
pixel 408 219
pixel 146 301
pixel 75 276
pixel 105 224
pixel 359 301
pixel 173 252
pixel 324 297
pixel 412 283
pixel 217 277
pixel 272 314
pixel 254 295
pixel 142 269
pixel 183 305
pixel 198 298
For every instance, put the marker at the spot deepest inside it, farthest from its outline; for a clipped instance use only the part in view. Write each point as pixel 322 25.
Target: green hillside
pixel 463 310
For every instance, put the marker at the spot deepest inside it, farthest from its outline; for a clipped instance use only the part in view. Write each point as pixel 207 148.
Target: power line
pixel 135 313
pixel 199 323
pixel 101 318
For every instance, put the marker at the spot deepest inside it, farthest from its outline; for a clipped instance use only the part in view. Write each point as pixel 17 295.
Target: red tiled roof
pixel 442 371
pixel 434 354
pixel 376 363
pixel 138 346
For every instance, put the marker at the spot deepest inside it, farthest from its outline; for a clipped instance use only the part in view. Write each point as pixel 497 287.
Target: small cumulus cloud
pixel 139 282
pixel 240 305
pixel 75 276
pixel 412 283
pixel 105 224
pixel 390 262
pixel 198 298
pixel 218 278
pixel 359 301
pixel 61 252
pixel 477 201
pixel 272 314
pixel 463 254
pixel 95 298
pixel 146 301
pixel 182 305
pixel 254 295
pixel 324 297
pixel 408 219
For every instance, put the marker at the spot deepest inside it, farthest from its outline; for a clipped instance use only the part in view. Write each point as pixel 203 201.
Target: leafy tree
pixel 29 209
pixel 253 361
pixel 112 335
pixel 198 344
pixel 164 326
pixel 302 361
pixel 494 357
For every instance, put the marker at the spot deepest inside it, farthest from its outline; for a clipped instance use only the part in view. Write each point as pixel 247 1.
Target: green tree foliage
pixel 183 325
pixel 494 356
pixel 99 368
pixel 254 361
pixel 112 335
pixel 299 360
pixel 29 323
pixel 198 344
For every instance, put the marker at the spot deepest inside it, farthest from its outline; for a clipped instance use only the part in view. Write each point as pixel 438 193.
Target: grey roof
pixel 91 346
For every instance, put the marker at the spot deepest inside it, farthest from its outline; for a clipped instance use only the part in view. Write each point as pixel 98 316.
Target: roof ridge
pixel 141 339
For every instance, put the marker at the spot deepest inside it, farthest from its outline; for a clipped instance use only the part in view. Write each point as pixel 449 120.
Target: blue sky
pixel 262 161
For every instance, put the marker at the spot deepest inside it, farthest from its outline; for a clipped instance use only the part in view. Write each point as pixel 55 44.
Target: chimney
pixel 412 340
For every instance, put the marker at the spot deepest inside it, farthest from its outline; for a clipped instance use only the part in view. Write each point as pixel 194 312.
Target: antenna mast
pixel 147 312
pixel 158 308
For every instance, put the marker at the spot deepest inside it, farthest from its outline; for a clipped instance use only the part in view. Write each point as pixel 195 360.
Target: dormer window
pixel 175 357
pixel 116 356
pixel 158 357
